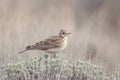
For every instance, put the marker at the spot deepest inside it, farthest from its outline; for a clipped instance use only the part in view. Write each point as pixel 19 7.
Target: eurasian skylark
pixel 53 44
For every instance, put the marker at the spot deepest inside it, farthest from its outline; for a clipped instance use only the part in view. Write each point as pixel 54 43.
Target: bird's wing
pixel 54 40
pixel 51 42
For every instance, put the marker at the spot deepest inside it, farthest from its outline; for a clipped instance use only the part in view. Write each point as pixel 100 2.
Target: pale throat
pixel 65 41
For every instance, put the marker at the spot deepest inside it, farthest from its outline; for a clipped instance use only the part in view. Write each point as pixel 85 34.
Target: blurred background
pixel 94 24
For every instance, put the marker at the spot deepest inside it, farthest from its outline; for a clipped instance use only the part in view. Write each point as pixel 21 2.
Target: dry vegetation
pixel 50 68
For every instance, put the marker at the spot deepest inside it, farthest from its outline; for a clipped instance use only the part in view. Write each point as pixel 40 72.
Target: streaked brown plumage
pixel 52 44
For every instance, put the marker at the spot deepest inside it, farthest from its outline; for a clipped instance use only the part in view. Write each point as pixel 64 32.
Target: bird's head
pixel 64 33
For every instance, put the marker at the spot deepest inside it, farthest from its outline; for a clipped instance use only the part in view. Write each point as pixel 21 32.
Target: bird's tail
pixel 31 47
pixel 22 51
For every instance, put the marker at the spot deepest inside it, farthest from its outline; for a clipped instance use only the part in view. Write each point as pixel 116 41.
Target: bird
pixel 52 44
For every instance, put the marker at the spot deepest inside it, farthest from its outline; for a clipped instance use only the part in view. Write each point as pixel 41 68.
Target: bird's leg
pixel 46 56
pixel 53 55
